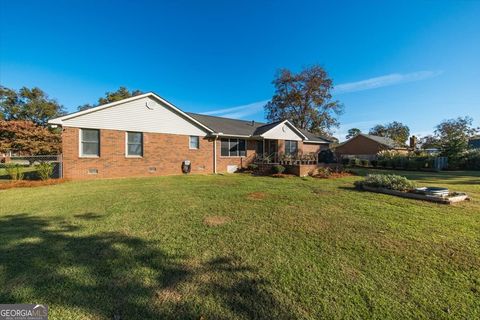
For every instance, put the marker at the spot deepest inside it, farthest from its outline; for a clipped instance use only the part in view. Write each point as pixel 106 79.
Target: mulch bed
pixel 30 183
pixel 256 195
pixel 333 175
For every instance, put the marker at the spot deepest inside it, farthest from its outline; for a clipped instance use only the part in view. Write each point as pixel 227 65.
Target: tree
pixel 120 94
pixel 452 136
pixel 396 131
pixel 428 142
pixel 352 133
pixel 305 99
pixel 28 138
pixel 28 104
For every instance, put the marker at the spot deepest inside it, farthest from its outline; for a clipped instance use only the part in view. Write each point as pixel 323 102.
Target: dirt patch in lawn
pixel 29 184
pixel 283 175
pixel 351 272
pixel 168 295
pixel 321 191
pixel 214 221
pixel 258 195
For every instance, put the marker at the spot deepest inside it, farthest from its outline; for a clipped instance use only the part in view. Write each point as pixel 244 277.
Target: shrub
pixel 471 159
pixel 365 163
pixel 354 162
pixel 387 154
pixel 45 170
pixel 252 167
pixel 389 163
pixel 326 156
pixel 412 164
pixel 278 169
pixel 345 161
pixel 386 181
pixel 399 162
pixel 324 172
pixel 14 170
pixel 374 163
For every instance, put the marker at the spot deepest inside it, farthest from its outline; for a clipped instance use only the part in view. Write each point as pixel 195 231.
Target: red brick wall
pixel 164 152
pixel 359 146
pixel 301 170
pixel 223 162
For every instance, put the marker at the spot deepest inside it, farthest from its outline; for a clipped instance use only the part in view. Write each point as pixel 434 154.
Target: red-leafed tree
pixel 25 137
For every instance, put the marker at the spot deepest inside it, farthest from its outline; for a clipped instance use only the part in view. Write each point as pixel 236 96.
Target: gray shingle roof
pixel 227 125
pixel 265 128
pixel 313 137
pixel 382 140
pixel 234 127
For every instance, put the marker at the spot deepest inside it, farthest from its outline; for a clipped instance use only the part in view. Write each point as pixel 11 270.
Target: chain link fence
pixel 31 167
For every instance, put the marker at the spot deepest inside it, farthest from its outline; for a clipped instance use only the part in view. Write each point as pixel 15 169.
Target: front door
pixel 271 146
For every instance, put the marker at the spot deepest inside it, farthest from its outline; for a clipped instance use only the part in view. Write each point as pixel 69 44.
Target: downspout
pixel 215 138
pixel 215 154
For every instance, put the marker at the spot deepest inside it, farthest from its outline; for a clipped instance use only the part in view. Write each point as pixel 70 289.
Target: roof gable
pixel 146 113
pixel 281 130
pixel 63 120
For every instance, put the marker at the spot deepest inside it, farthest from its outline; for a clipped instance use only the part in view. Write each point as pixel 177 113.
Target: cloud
pixel 367 84
pixel 385 81
pixel 239 111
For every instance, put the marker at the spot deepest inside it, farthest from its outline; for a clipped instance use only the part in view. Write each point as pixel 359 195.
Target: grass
pixel 240 247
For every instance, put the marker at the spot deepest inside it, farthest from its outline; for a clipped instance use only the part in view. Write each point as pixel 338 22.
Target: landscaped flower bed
pixel 330 172
pixel 402 187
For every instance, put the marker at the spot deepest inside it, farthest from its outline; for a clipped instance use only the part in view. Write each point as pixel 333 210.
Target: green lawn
pixel 240 247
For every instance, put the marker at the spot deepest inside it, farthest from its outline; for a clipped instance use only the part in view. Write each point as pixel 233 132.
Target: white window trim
pixel 190 142
pixel 80 151
pixel 238 150
pixel 126 146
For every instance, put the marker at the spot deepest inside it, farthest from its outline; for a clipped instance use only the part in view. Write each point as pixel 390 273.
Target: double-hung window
pixel 233 148
pixel 194 142
pixel 291 147
pixel 134 144
pixel 89 143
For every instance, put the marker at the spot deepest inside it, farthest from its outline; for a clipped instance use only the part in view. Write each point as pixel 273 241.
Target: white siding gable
pixel 143 115
pixel 283 132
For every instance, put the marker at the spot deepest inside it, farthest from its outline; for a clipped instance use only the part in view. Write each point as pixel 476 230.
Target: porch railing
pixel 287 159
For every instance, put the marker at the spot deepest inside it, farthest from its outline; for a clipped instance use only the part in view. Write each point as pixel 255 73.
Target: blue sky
pixel 417 62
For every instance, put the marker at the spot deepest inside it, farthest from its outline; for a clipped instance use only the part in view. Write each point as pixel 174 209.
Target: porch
pixel 283 152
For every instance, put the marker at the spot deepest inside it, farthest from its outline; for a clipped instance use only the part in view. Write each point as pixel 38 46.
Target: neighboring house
pixel 474 142
pixel 366 146
pixel 147 135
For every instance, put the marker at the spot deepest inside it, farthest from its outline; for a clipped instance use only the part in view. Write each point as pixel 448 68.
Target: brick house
pixel 146 135
pixel 366 146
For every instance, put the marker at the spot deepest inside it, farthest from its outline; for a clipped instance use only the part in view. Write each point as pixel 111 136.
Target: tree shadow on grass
pixel 116 276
